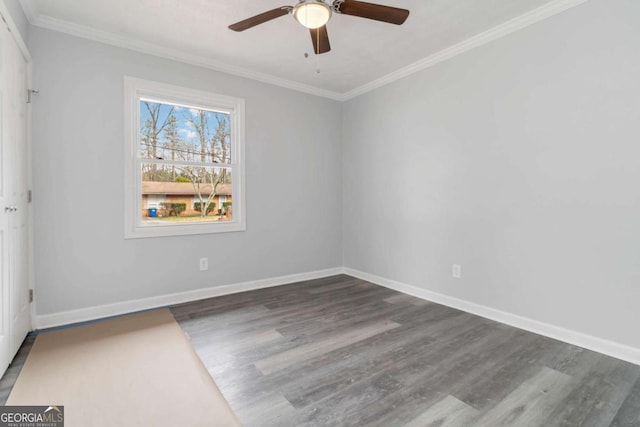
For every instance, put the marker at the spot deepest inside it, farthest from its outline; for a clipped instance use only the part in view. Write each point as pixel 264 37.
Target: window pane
pixel 174 132
pixel 180 194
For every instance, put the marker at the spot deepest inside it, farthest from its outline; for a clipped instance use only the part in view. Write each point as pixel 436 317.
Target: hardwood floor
pixel 343 352
pixel 11 375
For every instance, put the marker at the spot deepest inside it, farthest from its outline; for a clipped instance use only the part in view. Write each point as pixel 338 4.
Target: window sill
pixel 147 231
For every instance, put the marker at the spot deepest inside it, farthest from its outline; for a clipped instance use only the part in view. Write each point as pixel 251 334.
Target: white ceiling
pixel 362 51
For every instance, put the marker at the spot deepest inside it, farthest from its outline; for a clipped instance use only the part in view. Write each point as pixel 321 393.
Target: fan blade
pixel 260 19
pixel 378 12
pixel 319 36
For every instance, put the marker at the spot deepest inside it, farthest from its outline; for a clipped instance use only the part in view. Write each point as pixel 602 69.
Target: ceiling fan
pixel 314 14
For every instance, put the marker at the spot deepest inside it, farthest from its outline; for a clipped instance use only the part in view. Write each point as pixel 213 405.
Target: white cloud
pixel 189 134
pixel 194 112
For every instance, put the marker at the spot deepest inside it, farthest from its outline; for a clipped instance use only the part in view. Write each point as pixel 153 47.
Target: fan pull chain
pixel 318 51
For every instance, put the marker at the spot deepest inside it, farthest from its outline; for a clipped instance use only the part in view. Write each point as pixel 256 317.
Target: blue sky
pixel 186 132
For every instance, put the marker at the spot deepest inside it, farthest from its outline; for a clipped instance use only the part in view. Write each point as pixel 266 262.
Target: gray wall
pixel 17 15
pixel 519 160
pixel 293 180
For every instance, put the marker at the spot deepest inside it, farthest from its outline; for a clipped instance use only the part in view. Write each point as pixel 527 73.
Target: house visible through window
pixel 185 150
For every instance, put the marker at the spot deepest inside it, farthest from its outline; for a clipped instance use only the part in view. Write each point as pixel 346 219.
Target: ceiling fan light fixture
pixel 312 13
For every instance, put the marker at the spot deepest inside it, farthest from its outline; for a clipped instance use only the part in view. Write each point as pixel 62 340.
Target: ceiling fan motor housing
pixel 336 5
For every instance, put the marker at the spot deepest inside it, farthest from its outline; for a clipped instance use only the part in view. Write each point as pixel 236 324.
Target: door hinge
pixel 30 295
pixel 29 96
pixel 6 24
pixel 29 196
pixel 30 93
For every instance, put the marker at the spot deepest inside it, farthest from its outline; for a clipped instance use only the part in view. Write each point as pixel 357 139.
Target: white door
pixel 20 321
pixel 15 318
pixel 6 208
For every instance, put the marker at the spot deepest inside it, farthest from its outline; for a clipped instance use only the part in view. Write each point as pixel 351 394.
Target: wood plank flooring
pixel 340 351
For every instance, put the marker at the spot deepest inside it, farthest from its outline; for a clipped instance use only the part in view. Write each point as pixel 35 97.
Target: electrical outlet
pixel 204 264
pixel 456 271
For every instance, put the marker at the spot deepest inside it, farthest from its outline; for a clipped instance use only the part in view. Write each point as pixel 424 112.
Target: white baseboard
pixel 601 345
pixel 610 348
pixel 99 312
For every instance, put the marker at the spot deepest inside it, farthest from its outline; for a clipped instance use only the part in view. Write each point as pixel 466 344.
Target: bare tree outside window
pixel 187 168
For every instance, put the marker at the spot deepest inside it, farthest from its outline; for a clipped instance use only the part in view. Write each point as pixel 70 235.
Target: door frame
pixel 8 18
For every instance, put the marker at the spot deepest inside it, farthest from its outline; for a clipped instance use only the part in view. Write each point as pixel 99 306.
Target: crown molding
pixel 543 12
pixel 550 9
pixel 122 41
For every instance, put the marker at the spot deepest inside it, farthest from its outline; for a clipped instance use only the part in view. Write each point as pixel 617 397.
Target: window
pixel 184 153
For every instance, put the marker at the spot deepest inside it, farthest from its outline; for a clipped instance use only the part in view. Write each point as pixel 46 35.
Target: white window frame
pixel 134 90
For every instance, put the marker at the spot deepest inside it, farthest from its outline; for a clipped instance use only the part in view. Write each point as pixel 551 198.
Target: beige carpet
pixel 137 370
